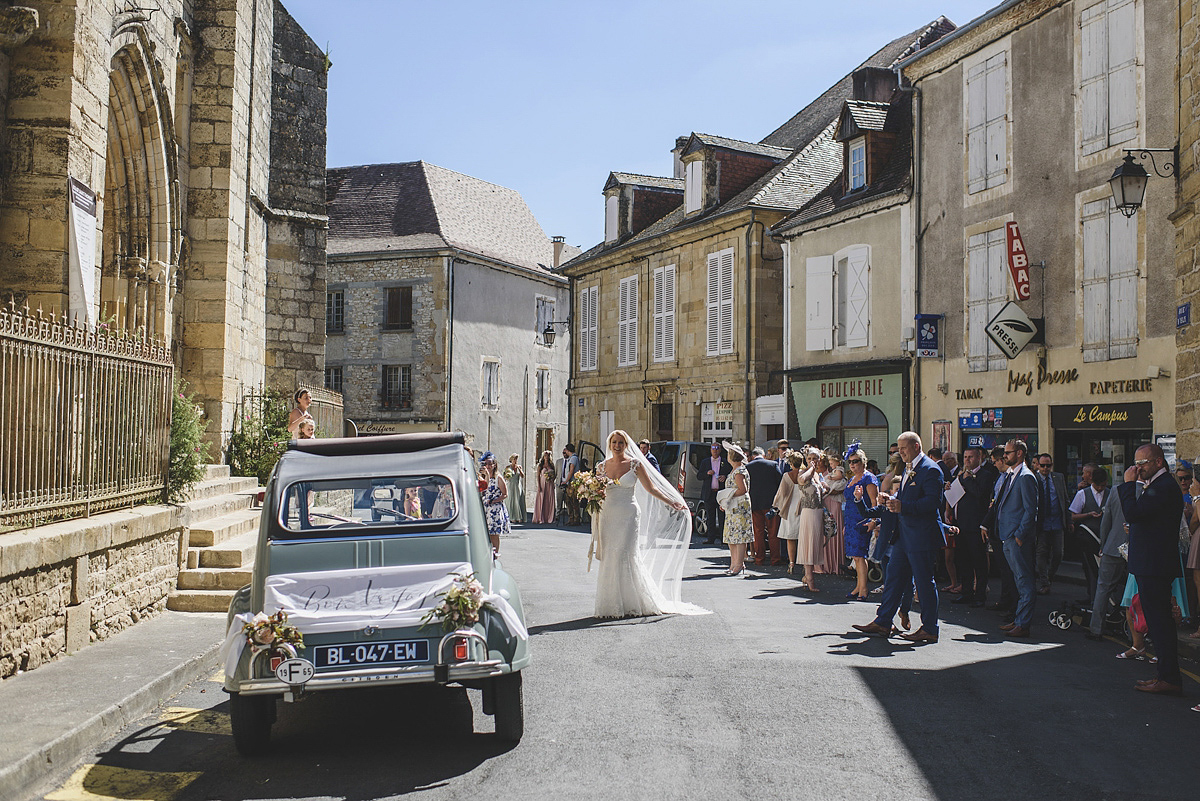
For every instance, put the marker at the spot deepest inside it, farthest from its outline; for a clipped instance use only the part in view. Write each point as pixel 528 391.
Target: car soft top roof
pixel 390 443
pixel 302 464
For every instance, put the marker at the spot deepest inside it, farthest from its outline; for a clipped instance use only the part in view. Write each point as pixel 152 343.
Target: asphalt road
pixel 766 698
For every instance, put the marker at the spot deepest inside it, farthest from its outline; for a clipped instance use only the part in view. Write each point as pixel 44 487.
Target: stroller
pixel 1071 612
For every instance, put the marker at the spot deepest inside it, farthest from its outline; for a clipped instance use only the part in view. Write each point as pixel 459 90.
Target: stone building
pixel 849 278
pixel 679 313
pixel 192 136
pixel 440 288
pixel 1187 234
pixel 1100 75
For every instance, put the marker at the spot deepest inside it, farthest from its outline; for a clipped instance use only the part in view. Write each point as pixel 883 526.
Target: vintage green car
pixel 360 542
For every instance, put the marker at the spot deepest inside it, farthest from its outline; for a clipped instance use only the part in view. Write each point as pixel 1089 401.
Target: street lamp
pixel 549 334
pixel 1128 181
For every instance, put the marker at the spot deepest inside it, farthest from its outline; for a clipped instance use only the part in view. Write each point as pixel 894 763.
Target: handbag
pixel 830 525
pixel 1139 618
pixel 725 497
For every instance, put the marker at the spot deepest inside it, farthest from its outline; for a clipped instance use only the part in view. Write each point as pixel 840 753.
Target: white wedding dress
pixel 623 585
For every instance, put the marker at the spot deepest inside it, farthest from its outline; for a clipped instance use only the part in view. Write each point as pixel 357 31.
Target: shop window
pixel 855 420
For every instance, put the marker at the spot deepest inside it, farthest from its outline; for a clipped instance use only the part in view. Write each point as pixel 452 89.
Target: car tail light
pixel 460 650
pixel 682 475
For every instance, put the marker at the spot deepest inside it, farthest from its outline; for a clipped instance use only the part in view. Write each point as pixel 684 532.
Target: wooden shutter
pixel 997 291
pixel 726 315
pixel 627 322
pixel 588 332
pixel 693 186
pixel 976 129
pixel 997 119
pixel 1094 78
pixel 1095 281
pixel 664 314
pixel 713 304
pixel 977 306
pixel 1122 71
pixel 818 303
pixel 857 283
pixel 657 314
pixel 611 205
pixel 1122 291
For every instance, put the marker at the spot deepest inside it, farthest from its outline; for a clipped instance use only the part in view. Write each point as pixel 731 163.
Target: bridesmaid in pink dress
pixel 543 505
pixel 835 481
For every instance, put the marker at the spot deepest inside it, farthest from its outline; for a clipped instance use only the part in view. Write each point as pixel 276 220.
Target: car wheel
pixel 509 707
pixel 250 717
pixel 699 525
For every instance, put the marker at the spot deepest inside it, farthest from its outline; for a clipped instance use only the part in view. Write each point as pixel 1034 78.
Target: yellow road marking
pixel 204 721
pixel 105 783
pixel 1187 673
pixel 218 677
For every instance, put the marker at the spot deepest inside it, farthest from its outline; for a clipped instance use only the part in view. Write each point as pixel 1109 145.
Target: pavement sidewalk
pixel 54 715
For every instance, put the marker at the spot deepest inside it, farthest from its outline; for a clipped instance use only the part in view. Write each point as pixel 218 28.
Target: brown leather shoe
pixel 1018 631
pixel 920 636
pixel 1159 687
pixel 872 628
pixel 1007 626
pixel 1146 681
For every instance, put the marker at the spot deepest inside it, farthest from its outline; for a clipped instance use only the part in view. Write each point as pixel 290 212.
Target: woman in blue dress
pixel 858 539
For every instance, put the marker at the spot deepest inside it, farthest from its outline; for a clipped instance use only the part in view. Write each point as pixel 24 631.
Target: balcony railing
pixel 85 418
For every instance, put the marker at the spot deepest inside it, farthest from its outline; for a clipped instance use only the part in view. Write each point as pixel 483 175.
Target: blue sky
pixel 547 97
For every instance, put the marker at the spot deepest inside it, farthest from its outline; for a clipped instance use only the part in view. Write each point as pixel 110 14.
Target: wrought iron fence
pixel 85 419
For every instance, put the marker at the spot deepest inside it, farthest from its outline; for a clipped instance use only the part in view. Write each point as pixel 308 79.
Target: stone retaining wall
pixel 65 585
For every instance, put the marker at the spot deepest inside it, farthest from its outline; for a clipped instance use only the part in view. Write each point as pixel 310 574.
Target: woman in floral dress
pixel 494 493
pixel 739 526
pixel 834 480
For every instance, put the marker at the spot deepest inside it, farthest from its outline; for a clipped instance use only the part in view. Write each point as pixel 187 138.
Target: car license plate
pixel 403 652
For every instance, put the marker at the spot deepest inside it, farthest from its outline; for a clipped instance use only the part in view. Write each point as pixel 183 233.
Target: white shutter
pixel 976 130
pixel 693 187
pixel 713 304
pixel 997 120
pixel 977 303
pixel 1122 292
pixel 841 300
pixel 1122 72
pixel 587 328
pixel 664 314
pixel 1095 281
pixel 818 303
pixel 611 205
pixel 857 298
pixel 594 324
pixel 1094 78
pixel 627 349
pixel 997 291
pixel 726 323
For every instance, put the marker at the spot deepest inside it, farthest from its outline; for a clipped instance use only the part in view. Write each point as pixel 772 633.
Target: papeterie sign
pixel 1011 329
pixel 1018 261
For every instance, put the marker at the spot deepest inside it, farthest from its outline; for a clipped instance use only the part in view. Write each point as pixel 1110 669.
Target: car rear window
pixel 342 506
pixel 666 453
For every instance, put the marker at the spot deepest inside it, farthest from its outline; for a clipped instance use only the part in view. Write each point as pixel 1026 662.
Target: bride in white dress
pixel 640 536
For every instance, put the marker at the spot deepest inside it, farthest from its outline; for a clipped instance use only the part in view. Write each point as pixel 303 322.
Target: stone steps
pixel 233 553
pixel 215 471
pixel 214 578
pixel 215 487
pixel 201 510
pixel 200 600
pixel 226 527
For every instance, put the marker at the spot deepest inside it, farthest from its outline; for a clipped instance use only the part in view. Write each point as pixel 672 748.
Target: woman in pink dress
pixel 543 505
pixel 834 481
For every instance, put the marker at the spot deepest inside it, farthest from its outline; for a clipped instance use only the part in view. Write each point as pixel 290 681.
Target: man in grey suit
pixel 1111 573
pixel 1013 516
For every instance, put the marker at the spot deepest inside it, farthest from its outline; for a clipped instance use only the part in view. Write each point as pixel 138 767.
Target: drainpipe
pixel 749 416
pixel 449 339
pixel 917 234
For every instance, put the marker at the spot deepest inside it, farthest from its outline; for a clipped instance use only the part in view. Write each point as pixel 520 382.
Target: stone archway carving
pixel 142 212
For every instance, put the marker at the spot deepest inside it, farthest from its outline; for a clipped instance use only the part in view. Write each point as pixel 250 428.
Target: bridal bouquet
pixel 588 488
pixel 460 604
pixel 270 632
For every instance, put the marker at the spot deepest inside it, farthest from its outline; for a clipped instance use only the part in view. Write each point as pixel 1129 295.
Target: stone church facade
pixel 199 125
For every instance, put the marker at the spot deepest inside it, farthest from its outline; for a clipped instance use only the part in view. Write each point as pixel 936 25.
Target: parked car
pixel 358 540
pixel 685 465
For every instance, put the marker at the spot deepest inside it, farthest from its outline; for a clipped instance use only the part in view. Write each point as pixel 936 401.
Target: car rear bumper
pixel 415 674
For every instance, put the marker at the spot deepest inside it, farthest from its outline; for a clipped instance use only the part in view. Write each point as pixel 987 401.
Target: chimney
pixel 558 242
pixel 677 170
pixel 875 84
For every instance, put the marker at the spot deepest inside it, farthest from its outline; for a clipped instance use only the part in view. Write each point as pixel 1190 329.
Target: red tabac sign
pixel 1018 261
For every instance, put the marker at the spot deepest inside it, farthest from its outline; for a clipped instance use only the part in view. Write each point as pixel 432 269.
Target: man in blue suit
pixel 1013 517
pixel 1153 519
pixel 917 505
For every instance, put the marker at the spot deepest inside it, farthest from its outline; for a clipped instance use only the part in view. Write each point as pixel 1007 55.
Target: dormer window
pixel 693 193
pixel 611 205
pixel 858 164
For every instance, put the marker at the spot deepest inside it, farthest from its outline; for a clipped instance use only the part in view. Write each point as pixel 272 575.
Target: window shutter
pixel 977 305
pixel 693 187
pixel 713 303
pixel 1094 79
pixel 622 321
pixel 659 276
pixel 857 298
pixel 1122 293
pixel 1095 281
pixel 588 328
pixel 818 302
pixel 611 205
pixel 976 130
pixel 627 322
pixel 997 120
pixel 1122 72
pixel 997 292
pixel 726 301
pixel 669 313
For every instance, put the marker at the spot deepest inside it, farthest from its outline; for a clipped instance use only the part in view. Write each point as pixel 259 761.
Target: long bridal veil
pixel 664 533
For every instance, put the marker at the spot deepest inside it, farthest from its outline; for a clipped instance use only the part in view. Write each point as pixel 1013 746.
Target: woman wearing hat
pixel 494 492
pixel 739 524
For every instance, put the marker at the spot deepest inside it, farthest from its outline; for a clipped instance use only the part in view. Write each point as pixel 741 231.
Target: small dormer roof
pixel 616 179
pixel 860 116
pixel 699 141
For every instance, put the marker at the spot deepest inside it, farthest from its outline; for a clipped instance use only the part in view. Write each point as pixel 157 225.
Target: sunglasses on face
pixel 1140 462
pixel 854 461
pixel 1045 466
